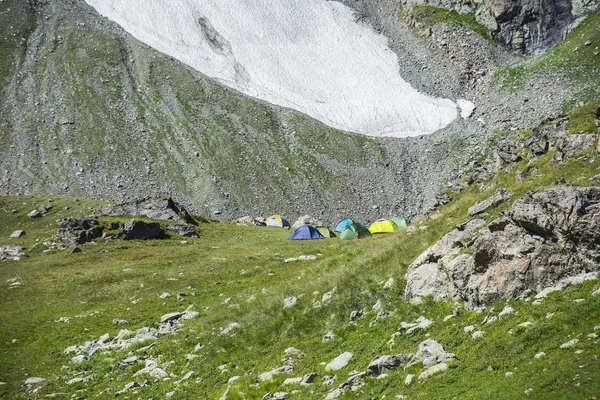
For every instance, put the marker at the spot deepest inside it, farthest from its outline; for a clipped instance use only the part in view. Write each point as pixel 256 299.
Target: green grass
pixel 430 15
pixel 124 280
pixel 576 59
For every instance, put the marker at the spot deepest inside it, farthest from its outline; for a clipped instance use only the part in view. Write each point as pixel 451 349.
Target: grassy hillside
pixel 239 274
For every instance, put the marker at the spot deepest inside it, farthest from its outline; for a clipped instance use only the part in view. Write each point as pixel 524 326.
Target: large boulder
pixel 164 208
pixel 140 230
pixel 546 237
pixel 430 274
pixel 73 232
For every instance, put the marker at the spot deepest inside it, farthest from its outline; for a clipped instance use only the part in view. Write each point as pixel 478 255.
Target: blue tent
pixel 343 224
pixel 306 232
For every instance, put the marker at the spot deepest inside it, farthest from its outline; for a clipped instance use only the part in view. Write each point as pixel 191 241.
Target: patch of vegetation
pixel 430 15
pixel 238 274
pixel 575 59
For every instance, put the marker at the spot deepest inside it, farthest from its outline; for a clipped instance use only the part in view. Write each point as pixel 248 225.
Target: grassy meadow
pixel 239 274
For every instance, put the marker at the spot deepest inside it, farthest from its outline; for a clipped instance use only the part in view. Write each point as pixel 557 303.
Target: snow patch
pixel 308 55
pixel 466 108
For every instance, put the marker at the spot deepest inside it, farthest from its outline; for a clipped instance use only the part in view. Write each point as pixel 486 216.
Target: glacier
pixel 307 55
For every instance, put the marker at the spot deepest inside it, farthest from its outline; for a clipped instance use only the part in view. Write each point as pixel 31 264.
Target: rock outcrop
pixel 164 208
pixel 73 232
pixel 526 26
pixel 140 230
pixel 545 237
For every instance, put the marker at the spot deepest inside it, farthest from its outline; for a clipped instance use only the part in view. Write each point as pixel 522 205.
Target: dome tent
pixel 342 224
pixel 278 221
pixel 402 222
pixel 383 226
pixel 355 231
pixel 305 232
pixel 327 232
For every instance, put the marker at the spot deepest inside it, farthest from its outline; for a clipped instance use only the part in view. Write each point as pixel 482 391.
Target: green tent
pixel 401 222
pixel 327 232
pixel 354 231
pixel 383 226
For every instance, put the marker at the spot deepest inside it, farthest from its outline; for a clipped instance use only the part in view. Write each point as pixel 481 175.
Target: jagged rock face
pixel 546 237
pixel 140 230
pixel 526 26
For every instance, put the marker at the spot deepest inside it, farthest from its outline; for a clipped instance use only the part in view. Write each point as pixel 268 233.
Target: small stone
pixel 469 328
pixel 448 317
pixel 327 337
pixel 569 344
pixel 289 302
pixel 477 334
pixel 339 362
pixel 171 316
pixel 17 234
pixel 540 354
pixel 131 385
pixel 164 295
pixel 389 283
pixel 408 380
pixel 292 381
pixel 34 381
pixel 309 378
pixel 356 314
pixel 529 391
pixel 377 306
pixel 34 214
pixel 117 321
pixel 80 359
pixel 507 374
pixel 169 394
pixel 507 310
pixel 290 351
pixel 433 370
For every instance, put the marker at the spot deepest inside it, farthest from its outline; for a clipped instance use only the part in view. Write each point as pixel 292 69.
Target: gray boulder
pixel 431 273
pixel 164 208
pixel 34 214
pixel 382 364
pixel 140 230
pixel 11 252
pixel 73 232
pixel 546 237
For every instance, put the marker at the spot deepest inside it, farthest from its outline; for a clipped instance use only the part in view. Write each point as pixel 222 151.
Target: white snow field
pixel 307 55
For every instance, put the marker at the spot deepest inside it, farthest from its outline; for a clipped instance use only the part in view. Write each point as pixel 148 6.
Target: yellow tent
pixel 383 226
pixel 277 220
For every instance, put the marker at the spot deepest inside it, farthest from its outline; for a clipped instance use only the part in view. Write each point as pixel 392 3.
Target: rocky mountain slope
pixel 87 110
